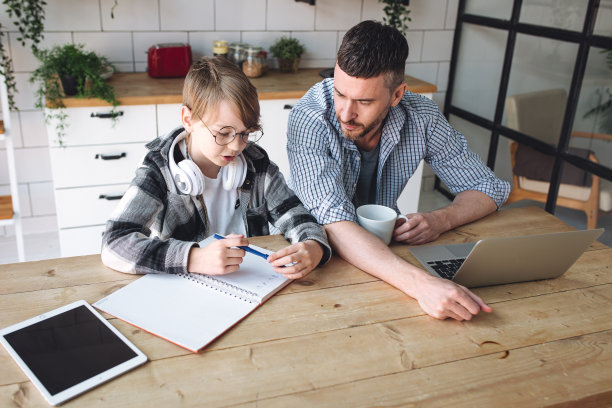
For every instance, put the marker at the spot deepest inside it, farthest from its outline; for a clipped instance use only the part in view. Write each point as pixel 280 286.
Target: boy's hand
pixel 302 257
pixel 218 258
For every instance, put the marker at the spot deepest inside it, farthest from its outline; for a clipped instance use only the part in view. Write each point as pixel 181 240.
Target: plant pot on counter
pixel 69 84
pixel 288 65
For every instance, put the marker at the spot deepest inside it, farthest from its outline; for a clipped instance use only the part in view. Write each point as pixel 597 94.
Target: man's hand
pixel 219 257
pixel 425 227
pixel 420 228
pixel 442 299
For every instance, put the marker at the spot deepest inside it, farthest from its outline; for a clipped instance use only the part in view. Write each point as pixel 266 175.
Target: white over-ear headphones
pixel 189 179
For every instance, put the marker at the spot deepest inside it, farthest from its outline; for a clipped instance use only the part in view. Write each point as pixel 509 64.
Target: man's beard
pixel 350 135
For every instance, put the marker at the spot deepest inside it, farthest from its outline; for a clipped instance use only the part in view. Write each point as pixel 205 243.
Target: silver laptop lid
pixel 496 261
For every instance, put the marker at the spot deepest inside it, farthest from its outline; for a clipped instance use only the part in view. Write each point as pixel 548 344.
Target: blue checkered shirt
pixel 325 165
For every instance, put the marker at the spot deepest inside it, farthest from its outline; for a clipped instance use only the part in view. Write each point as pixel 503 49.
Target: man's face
pixel 361 104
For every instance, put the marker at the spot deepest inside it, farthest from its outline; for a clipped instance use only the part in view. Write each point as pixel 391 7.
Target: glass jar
pixel 253 64
pixel 237 53
pixel 220 48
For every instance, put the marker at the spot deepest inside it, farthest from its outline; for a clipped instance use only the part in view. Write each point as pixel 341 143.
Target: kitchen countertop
pixel 140 89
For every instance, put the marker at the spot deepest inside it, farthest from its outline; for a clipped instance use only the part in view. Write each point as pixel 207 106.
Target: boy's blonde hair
pixel 212 80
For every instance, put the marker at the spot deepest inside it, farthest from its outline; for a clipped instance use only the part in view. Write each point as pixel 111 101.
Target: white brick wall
pixel 140 23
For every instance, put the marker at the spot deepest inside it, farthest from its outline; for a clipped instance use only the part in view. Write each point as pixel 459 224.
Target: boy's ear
pixel 187 119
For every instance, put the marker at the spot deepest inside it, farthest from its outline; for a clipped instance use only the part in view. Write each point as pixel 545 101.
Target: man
pixel 357 138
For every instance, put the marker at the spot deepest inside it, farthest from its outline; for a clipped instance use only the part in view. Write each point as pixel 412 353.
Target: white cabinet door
pixel 81 241
pixel 274 117
pixel 168 117
pixel 95 165
pixel 92 126
pixel 87 205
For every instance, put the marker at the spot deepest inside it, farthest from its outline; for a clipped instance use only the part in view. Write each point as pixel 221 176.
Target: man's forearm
pixel 365 251
pixel 467 206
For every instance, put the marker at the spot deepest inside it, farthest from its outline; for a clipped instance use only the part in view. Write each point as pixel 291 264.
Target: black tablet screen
pixel 68 348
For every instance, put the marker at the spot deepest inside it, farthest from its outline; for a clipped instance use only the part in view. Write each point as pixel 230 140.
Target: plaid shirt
pixel 154 226
pixel 325 165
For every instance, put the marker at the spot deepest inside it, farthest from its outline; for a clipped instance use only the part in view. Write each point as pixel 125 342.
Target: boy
pixel 208 177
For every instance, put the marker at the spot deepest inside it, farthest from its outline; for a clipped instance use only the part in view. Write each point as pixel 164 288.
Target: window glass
pixel 478 72
pixel 565 14
pixel 501 9
pixel 603 22
pixel 540 77
pixel 592 126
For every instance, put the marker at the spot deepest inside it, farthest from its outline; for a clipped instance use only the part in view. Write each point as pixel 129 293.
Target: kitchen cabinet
pixel 93 168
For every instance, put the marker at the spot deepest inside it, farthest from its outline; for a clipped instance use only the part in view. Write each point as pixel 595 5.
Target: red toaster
pixel 169 60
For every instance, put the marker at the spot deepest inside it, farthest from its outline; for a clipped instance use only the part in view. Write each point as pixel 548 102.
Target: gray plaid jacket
pixel 154 226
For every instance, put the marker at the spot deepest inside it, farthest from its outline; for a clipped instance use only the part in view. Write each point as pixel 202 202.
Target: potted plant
pixel 68 70
pixel 288 52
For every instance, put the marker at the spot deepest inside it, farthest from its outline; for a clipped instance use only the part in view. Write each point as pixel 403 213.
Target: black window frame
pixel 585 41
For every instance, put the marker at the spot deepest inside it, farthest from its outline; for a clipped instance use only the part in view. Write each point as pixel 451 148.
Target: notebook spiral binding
pixel 224 287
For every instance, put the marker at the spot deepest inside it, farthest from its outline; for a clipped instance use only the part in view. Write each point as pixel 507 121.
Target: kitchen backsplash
pixel 137 24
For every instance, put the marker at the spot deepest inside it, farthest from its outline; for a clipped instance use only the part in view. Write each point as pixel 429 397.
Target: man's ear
pixel 187 119
pixel 396 97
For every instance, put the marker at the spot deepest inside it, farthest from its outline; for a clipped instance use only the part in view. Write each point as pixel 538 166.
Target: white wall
pixel 139 24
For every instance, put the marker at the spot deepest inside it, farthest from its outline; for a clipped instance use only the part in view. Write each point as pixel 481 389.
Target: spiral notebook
pixel 192 310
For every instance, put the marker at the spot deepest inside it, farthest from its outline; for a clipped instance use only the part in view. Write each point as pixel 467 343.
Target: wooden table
pixel 340 337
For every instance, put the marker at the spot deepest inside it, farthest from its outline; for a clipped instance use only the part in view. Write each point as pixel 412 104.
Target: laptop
pixel 496 261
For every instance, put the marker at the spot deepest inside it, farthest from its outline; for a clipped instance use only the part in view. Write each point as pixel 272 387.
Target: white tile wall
pixel 337 14
pixel 138 24
pixel 290 15
pixel 34 132
pixel 116 46
pixel 132 15
pixel 184 15
pixel 247 15
pixel 60 15
pixel 437 46
pixel 23 60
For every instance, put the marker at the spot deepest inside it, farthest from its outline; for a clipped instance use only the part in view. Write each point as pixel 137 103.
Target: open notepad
pixel 192 310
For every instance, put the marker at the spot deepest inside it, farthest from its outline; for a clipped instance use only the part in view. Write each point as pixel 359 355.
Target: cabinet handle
pixel 287 106
pixel 110 197
pixel 108 115
pixel 110 156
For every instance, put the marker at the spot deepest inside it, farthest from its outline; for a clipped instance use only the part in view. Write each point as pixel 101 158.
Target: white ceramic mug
pixel 379 220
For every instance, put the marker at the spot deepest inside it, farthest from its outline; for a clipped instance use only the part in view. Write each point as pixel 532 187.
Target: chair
pixel 540 114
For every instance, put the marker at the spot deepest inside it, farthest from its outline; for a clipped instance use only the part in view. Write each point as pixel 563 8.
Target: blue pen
pixel 246 248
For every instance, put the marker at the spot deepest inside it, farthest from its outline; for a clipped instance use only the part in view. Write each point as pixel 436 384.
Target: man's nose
pixel 347 112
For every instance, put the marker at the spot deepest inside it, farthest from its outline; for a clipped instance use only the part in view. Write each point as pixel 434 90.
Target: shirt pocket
pixel 257 221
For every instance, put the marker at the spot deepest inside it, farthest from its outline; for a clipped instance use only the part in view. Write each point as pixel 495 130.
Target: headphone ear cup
pixel 193 179
pixel 234 173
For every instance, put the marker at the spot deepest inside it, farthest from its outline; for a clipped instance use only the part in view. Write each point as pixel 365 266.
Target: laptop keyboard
pixel 446 268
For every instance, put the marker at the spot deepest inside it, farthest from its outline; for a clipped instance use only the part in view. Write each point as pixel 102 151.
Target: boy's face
pixel 203 148
pixel 362 104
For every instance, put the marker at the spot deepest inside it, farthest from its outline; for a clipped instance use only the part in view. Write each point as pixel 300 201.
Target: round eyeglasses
pixel 227 134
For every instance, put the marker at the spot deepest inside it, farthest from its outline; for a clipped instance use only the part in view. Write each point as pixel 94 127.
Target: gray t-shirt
pixel 366 185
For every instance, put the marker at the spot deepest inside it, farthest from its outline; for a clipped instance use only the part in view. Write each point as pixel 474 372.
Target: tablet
pixel 69 350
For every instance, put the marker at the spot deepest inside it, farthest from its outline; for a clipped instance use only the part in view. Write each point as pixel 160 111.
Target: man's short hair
pixel 370 49
pixel 212 80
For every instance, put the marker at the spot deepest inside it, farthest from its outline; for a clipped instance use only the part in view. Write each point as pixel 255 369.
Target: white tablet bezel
pixel 81 387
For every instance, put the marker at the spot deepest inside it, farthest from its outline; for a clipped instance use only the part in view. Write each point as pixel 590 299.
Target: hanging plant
pixel 396 14
pixel 68 70
pixel 28 16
